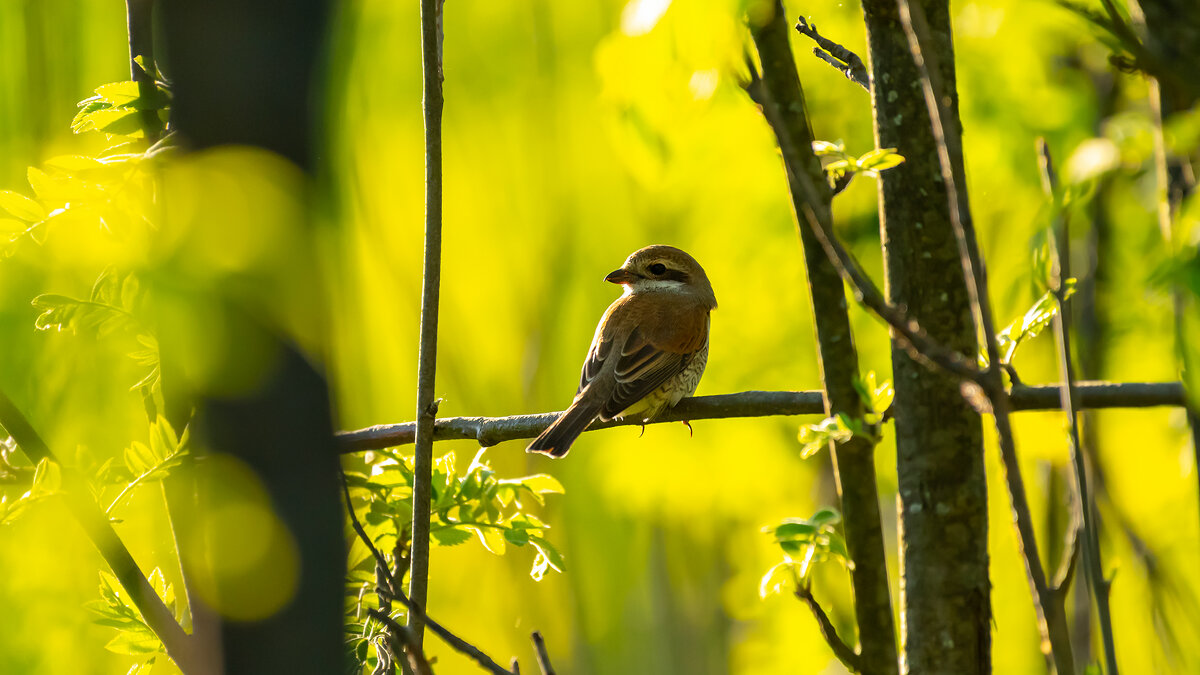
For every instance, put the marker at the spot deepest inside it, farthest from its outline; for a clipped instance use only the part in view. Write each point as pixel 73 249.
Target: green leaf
pixel 47 478
pixel 880 160
pixel 117 121
pixel 796 530
pixel 548 558
pixel 1032 323
pixel 451 536
pixel 776 578
pixel 142 668
pixel 516 536
pixel 21 206
pixel 826 148
pixel 826 516
pixel 491 539
pixel 543 483
pixel 135 643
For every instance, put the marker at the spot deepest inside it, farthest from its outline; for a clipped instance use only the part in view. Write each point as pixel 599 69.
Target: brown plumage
pixel 649 349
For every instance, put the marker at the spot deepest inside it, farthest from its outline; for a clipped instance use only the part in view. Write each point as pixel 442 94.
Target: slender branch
pixel 919 344
pixel 1066 570
pixel 489 431
pixel 1084 501
pixel 947 136
pixel 783 105
pixel 849 658
pixel 431 75
pixel 458 644
pixel 100 531
pixel 543 658
pixel 836 55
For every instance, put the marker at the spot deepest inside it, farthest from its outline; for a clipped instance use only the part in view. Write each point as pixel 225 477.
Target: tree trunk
pixel 944 591
pixel 244 72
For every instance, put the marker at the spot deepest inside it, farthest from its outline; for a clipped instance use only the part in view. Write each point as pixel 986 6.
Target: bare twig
pixel 920 345
pixel 543 658
pixel 99 530
pixel 1049 606
pixel 457 643
pixel 849 658
pixel 836 55
pixel 1084 502
pixel 1066 570
pixel 431 75
pixel 489 431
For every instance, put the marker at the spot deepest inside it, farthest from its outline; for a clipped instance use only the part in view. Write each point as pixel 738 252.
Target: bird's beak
pixel 621 276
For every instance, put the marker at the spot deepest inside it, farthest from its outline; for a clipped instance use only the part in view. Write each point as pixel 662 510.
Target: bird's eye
pixel 657 269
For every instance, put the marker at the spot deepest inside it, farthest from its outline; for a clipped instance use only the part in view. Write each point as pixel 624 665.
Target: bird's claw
pixel 643 431
pixel 691 432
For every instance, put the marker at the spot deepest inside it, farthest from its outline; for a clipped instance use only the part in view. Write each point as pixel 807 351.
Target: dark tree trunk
pixel 944 600
pixel 244 73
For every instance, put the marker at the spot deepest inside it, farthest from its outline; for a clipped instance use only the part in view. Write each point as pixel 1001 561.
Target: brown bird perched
pixel 649 350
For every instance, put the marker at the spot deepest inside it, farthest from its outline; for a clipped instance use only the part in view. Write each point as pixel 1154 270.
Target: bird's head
pixel 664 269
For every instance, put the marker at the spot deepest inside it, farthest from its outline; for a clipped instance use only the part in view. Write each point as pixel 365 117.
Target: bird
pixel 649 349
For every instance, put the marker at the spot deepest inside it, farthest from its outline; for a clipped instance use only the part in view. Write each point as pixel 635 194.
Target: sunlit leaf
pixel 21 206
pixel 451 536
pixel 776 578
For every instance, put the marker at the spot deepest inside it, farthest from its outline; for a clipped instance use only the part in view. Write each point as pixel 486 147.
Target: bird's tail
pixel 556 440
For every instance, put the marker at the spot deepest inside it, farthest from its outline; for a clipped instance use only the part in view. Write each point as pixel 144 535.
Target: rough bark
pixel 944 591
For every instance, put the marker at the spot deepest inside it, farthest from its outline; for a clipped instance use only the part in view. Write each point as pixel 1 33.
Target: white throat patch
pixel 654 285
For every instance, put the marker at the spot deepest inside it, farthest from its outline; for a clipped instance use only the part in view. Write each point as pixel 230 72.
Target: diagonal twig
pixel 99 530
pixel 849 658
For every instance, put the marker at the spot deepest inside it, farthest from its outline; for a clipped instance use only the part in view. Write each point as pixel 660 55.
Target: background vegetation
pixel 574 134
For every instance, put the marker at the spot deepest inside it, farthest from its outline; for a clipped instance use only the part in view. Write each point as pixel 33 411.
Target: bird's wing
pixel 642 366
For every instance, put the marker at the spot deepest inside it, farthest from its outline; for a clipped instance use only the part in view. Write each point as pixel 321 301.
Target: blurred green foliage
pixel 576 133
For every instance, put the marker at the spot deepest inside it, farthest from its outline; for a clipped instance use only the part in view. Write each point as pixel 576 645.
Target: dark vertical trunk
pixel 944 602
pixel 244 73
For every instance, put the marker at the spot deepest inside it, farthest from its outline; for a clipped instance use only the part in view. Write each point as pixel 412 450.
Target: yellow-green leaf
pixel 21 206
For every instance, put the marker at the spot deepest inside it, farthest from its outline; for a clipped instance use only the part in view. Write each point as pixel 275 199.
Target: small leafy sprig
pixel 475 504
pixel 805 542
pixel 1029 325
pixel 841 166
pixel 134 637
pixel 876 397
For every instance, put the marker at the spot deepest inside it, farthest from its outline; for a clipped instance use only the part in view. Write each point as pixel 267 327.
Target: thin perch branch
pixel 431 75
pixel 489 431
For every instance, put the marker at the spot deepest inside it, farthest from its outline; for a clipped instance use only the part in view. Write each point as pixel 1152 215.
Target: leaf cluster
pixel 805 542
pixel 474 504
